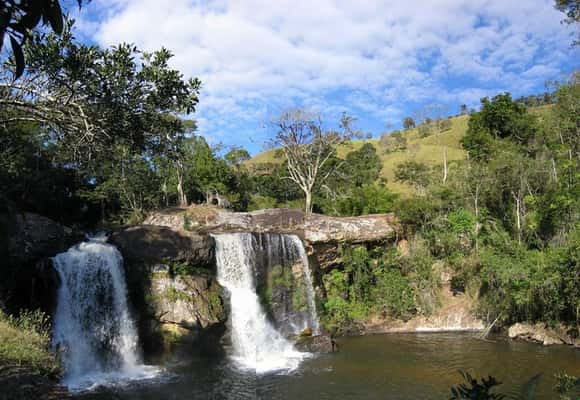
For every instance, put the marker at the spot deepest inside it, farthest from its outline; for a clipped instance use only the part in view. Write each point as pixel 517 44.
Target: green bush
pixel 368 199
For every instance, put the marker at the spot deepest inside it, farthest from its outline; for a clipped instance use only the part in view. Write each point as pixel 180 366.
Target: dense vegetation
pixel 505 222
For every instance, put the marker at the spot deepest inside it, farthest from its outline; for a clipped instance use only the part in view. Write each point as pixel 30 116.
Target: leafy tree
pixel 18 19
pixel 414 173
pixel 408 123
pixel 393 141
pixel 572 10
pixel 236 157
pixel 363 166
pixel 368 199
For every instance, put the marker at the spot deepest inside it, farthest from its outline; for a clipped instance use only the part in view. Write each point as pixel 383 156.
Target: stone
pixel 156 244
pixel 306 332
pixel 538 333
pixel 28 237
pixel 316 344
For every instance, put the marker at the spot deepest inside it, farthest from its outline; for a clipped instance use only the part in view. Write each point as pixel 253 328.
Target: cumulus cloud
pixel 375 59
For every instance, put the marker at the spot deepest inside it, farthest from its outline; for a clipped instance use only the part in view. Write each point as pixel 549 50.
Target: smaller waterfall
pixel 257 344
pixel 93 331
pixel 313 321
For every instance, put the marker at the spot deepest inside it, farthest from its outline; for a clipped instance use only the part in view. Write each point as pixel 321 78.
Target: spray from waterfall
pixel 93 331
pixel 256 343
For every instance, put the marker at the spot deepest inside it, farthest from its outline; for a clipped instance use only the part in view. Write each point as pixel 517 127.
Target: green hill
pixel 422 149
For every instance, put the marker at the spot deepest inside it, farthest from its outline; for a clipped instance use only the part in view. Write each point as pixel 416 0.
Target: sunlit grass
pixel 24 342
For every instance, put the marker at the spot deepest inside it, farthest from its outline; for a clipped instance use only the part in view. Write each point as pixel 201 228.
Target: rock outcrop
pixel 540 333
pixel 171 281
pixel 155 244
pixel 316 344
pixel 454 315
pixel 315 228
pixel 322 234
pixel 27 241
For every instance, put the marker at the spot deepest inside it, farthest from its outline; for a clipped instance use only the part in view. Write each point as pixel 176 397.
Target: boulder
pixel 28 238
pixel 538 333
pixel 306 332
pixel 316 344
pixel 363 229
pixel 154 244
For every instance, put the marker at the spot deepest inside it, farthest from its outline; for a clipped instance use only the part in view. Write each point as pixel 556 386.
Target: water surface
pixel 395 366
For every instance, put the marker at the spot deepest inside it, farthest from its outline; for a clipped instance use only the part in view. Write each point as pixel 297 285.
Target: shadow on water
pixel 396 366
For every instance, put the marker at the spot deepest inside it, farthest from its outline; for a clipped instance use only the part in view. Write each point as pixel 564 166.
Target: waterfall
pixel 256 343
pixel 93 331
pixel 313 322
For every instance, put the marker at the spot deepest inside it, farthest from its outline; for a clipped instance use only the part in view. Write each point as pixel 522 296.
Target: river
pixel 391 366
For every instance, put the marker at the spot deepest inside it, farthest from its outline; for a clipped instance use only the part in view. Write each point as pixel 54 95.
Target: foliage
pixel 373 282
pixel 572 10
pixel 414 173
pixel 408 123
pixel 368 199
pixel 362 166
pixel 567 385
pixel 18 19
pixel 25 341
pixel 472 389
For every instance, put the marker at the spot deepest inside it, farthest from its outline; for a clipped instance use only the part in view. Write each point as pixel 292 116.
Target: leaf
pixel 18 56
pixel 53 13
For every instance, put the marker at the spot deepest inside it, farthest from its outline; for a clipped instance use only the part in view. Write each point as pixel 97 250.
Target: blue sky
pixel 376 60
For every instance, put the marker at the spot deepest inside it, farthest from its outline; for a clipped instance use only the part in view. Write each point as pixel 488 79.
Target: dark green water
pixel 397 366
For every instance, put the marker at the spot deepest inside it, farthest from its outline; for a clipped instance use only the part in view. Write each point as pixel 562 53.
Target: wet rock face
pixel 27 241
pixel 154 244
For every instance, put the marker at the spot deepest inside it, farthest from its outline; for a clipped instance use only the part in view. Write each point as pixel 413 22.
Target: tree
pixel 393 141
pixel 19 18
pixel 363 166
pixel 408 123
pixel 572 10
pixel 308 148
pixel 104 111
pixel 499 118
pixel 414 173
pixel 236 157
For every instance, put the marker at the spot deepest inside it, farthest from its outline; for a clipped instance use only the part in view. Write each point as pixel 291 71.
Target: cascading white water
pixel 313 322
pixel 257 344
pixel 93 331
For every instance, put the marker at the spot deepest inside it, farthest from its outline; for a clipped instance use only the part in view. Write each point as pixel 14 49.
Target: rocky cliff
pixel 171 282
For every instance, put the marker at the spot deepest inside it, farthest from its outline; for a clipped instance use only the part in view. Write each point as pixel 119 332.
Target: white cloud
pixel 371 57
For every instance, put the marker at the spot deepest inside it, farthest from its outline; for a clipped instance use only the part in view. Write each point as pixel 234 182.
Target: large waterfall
pixel 257 344
pixel 93 331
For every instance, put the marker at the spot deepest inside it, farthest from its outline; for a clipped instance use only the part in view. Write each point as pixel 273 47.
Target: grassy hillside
pixel 428 150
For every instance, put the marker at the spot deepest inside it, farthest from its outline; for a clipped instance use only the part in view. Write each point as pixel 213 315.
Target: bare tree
pixel 308 147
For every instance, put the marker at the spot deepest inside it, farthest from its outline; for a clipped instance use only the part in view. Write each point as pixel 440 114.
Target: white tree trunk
pixel 180 192
pixel 444 164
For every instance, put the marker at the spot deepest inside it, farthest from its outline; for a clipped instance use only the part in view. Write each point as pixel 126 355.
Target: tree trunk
pixel 308 207
pixel 444 164
pixel 180 192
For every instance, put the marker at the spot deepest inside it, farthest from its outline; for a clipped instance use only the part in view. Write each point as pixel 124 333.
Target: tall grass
pixel 25 342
